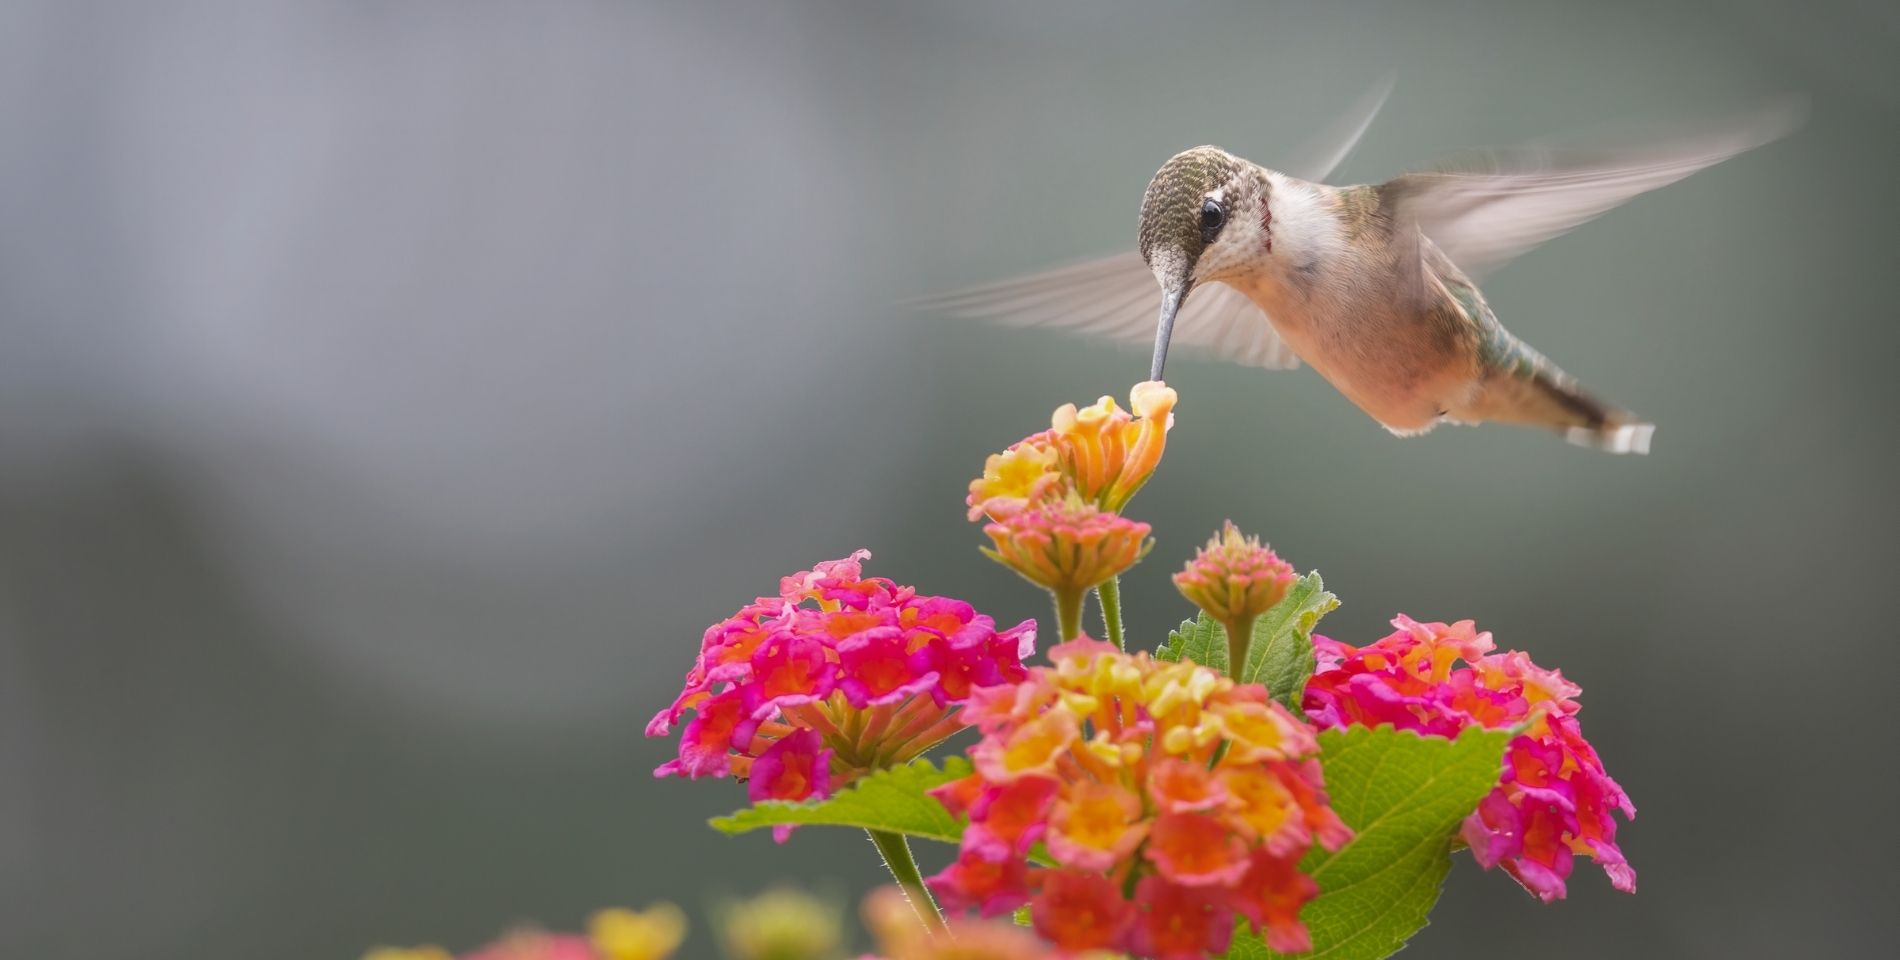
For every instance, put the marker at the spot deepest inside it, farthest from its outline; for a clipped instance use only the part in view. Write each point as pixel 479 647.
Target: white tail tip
pixel 1628 438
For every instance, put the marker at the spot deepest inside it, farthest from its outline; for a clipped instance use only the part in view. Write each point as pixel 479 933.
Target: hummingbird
pixel 1373 284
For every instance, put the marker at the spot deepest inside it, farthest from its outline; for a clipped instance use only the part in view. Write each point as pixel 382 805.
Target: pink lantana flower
pixel 839 674
pixel 1235 579
pixel 1171 799
pixel 1553 800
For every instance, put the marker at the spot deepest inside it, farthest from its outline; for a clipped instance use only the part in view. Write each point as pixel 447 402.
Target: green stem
pixel 1069 613
pixel 1110 593
pixel 1239 638
pixel 896 852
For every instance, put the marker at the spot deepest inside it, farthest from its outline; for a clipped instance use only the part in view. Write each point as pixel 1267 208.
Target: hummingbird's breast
pixel 1404 363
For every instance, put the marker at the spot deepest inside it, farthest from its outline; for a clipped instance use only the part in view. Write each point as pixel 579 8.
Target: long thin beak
pixel 1171 298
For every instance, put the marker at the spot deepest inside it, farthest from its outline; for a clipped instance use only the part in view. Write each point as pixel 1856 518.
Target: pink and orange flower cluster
pixel 1168 799
pixel 1132 806
pixel 1054 498
pixel 1554 799
pixel 1101 453
pixel 836 676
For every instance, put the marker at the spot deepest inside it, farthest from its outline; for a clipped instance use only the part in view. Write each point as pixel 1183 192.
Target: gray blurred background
pixel 390 393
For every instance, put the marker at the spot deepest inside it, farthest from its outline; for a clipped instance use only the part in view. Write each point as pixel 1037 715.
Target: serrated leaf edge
pixel 759 815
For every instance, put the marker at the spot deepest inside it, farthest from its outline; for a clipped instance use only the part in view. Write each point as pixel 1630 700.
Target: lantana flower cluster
pixel 1101 453
pixel 1054 498
pixel 1168 798
pixel 837 675
pixel 1131 806
pixel 1554 801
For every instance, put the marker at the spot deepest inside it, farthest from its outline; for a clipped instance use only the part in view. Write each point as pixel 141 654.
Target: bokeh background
pixel 390 393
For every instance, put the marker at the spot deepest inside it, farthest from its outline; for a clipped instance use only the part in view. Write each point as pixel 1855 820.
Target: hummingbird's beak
pixel 1172 295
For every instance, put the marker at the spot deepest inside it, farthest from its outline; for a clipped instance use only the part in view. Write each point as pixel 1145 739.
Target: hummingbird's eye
pixel 1213 217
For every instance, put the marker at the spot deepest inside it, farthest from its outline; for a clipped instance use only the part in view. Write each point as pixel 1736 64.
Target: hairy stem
pixel 1110 594
pixel 1239 638
pixel 1068 613
pixel 896 853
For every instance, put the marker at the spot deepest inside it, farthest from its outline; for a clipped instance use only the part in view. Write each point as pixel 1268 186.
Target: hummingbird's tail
pixel 1622 438
pixel 1538 394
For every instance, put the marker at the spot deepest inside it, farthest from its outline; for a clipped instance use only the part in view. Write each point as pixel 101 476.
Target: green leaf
pixel 892 800
pixel 1200 640
pixel 1281 655
pixel 1404 796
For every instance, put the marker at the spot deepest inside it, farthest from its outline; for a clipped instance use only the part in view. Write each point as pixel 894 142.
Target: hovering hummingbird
pixel 1370 284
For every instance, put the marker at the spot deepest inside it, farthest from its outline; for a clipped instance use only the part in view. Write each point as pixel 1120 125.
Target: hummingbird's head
pixel 1201 219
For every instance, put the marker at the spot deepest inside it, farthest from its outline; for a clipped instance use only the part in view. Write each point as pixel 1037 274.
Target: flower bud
pixel 1235 579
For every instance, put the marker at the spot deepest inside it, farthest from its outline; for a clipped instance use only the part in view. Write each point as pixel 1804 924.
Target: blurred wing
pixel 1514 200
pixel 1116 298
pixel 1319 156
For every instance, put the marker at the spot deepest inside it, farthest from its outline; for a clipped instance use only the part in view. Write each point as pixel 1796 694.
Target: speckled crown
pixel 1171 209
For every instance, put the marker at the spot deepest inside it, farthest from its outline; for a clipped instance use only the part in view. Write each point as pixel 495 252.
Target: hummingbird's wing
pixel 1321 154
pixel 1507 202
pixel 1114 298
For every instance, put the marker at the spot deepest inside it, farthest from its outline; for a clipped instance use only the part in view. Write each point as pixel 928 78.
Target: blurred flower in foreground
pixel 836 676
pixel 408 953
pixel 1170 797
pixel 613 935
pixel 1100 453
pixel 1554 798
pixel 629 935
pixel 1235 579
pixel 899 937
pixel 536 945
pixel 783 925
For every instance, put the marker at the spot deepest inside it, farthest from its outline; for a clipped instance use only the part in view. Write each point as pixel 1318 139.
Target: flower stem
pixel 896 852
pixel 1069 613
pixel 1239 638
pixel 1110 594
